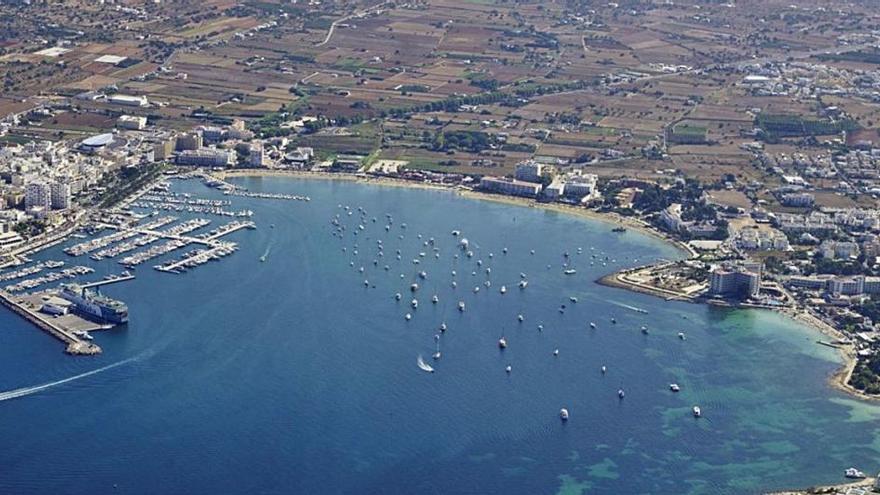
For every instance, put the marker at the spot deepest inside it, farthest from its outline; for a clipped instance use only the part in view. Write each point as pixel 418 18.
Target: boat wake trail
pixel 627 306
pixel 22 392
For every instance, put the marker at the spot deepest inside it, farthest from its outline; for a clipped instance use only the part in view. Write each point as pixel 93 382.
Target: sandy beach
pixel 612 219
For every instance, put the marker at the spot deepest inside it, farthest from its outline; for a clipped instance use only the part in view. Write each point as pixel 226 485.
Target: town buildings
pixel 206 157
pixel 512 187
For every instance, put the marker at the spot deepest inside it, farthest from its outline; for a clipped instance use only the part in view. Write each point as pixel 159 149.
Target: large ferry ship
pixel 94 304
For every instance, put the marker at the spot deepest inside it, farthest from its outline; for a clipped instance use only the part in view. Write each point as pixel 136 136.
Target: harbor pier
pixel 75 345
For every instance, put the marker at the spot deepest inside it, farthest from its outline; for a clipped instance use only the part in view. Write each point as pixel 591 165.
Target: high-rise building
pixel 257 156
pixel 190 141
pixel 740 280
pixel 60 195
pixel 37 194
pixel 529 171
pixel 162 150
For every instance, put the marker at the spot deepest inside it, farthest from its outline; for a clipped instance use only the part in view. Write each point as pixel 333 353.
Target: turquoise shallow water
pixel 291 376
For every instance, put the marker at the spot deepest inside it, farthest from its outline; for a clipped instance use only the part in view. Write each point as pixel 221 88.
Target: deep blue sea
pixel 293 376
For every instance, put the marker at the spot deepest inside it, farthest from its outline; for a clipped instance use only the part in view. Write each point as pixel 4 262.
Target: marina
pixel 72 311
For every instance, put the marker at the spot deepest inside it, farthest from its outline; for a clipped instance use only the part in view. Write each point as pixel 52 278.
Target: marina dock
pixel 215 182
pixel 115 280
pixel 196 259
pixel 210 240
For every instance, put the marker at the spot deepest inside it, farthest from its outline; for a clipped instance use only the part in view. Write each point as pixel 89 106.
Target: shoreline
pixel 862 483
pixel 839 380
pixel 612 219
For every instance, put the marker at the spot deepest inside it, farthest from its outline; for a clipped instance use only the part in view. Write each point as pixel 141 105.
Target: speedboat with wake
pixel 423 365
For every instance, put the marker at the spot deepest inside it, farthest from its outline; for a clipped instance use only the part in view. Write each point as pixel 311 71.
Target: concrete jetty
pixel 115 280
pixel 75 346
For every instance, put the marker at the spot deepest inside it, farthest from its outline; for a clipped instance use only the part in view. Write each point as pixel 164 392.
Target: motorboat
pixel 502 343
pixel 697 412
pixel 854 473
pixel 563 414
pixel 423 365
pixel 674 387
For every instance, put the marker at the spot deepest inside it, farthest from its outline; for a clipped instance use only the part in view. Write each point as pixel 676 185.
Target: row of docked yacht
pixel 152 252
pixel 30 270
pixel 206 210
pixel 187 226
pixel 183 199
pixel 30 283
pixel 263 195
pixel 101 242
pixel 197 257
pixel 124 247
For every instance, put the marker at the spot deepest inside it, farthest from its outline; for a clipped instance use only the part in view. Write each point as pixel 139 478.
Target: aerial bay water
pixel 293 375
